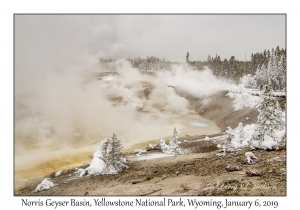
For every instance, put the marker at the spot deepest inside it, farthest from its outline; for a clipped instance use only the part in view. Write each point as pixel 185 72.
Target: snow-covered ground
pixel 244 100
pixel 241 89
pixel 149 156
pixel 247 97
pixel 45 185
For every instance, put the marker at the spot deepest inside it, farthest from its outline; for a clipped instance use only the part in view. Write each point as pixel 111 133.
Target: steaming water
pixel 44 159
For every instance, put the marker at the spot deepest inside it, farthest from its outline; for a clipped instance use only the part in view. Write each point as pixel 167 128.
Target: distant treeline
pixel 151 63
pixel 267 67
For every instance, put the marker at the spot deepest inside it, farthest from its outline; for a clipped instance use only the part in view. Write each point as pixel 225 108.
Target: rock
pixel 253 172
pixel 231 167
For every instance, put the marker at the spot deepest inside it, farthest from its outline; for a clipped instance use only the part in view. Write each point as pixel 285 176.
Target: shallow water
pixel 198 124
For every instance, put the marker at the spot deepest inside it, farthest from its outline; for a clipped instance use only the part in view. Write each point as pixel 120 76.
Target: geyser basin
pixel 27 166
pixel 198 124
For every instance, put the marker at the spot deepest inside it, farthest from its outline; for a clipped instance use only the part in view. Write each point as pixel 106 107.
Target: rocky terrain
pixel 198 173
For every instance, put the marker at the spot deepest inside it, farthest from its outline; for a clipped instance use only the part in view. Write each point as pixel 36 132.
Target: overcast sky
pixel 45 40
pixel 168 36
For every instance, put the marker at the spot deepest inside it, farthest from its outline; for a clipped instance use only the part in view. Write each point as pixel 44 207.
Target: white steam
pixel 196 83
pixel 60 100
pixel 71 107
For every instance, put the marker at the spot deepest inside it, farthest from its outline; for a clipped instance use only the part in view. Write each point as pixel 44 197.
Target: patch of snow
pixel 206 138
pixel 150 146
pixel 224 148
pixel 153 156
pixel 279 134
pixel 268 138
pixel 250 157
pixel 241 101
pixel 255 144
pixel 45 185
pixel 269 143
pixel 58 173
pixel 139 151
pixel 240 136
pixel 220 155
pixel 243 97
pixel 97 165
pixel 250 154
pixel 278 93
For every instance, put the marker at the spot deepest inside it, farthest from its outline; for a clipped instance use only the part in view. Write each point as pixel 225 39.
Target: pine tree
pixel 187 56
pixel 108 159
pixel 261 76
pixel 116 147
pixel 240 130
pixel 282 72
pixel 236 137
pixel 173 140
pixel 115 157
pixel 174 143
pixel 172 147
pixel 269 119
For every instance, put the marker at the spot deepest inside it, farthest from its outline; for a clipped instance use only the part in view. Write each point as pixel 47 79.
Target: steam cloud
pixel 60 99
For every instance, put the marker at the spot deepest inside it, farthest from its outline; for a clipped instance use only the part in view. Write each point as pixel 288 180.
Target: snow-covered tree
pixel 283 141
pixel 173 141
pixel 115 161
pixel 272 72
pixel 102 150
pixel 237 134
pixel 236 137
pixel 108 159
pixel 282 72
pixel 269 120
pixel 174 144
pixel 261 76
pixel 248 81
pixel 172 147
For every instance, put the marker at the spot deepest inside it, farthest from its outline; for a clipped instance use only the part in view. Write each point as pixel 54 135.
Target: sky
pixel 165 36
pixel 46 42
